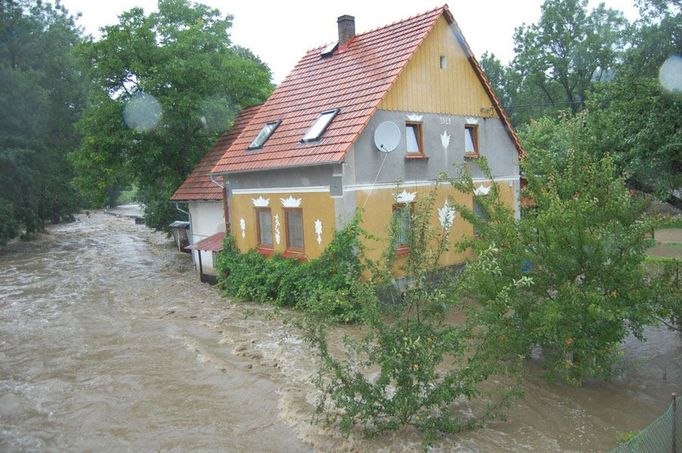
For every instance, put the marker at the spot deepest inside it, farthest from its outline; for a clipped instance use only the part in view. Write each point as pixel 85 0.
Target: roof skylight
pixel 320 125
pixel 264 134
pixel 327 51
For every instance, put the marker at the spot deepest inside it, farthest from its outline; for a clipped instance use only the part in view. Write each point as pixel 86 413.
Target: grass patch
pixel 661 259
pixel 671 222
pixel 128 196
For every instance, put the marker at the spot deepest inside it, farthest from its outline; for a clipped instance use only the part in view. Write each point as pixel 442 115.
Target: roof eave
pixel 255 170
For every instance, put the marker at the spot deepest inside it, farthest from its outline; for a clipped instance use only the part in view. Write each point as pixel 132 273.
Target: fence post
pixel 674 423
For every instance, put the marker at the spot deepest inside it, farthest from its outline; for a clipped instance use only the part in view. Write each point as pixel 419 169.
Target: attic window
pixel 471 140
pixel 320 125
pixel 264 134
pixel 443 62
pixel 414 138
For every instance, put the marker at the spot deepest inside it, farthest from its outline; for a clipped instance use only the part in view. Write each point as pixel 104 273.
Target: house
pixel 403 102
pixel 204 198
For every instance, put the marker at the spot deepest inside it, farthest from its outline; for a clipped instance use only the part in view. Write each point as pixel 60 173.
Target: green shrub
pixel 586 239
pixel 291 282
pixel 411 364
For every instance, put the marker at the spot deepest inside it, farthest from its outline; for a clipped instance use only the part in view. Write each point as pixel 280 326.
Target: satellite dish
pixel 387 136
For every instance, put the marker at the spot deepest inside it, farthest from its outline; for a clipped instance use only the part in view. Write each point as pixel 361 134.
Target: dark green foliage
pixel 182 57
pixel 41 97
pixel 634 118
pixel 573 59
pixel 561 56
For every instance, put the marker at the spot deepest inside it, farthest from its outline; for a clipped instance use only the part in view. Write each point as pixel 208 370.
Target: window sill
pixel 296 254
pixel 472 155
pixel 416 157
pixel 402 250
pixel 265 251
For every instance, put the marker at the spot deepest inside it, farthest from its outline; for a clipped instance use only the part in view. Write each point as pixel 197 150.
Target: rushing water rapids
pixel 109 342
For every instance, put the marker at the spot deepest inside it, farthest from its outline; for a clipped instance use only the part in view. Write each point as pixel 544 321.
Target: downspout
pixel 189 216
pixel 226 212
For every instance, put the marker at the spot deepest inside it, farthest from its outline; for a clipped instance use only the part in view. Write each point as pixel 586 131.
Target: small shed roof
pixel 210 244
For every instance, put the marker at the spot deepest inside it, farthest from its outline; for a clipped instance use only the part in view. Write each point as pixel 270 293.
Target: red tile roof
pixel 211 244
pixel 354 79
pixel 198 186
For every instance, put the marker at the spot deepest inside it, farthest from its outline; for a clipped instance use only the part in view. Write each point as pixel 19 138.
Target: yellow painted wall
pixel 313 205
pixel 424 87
pixel 379 207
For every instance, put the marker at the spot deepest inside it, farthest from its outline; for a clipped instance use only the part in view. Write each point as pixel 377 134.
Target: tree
pixel 561 56
pixel 165 85
pixel 634 117
pixel 584 241
pixel 500 77
pixel 411 363
pixel 41 98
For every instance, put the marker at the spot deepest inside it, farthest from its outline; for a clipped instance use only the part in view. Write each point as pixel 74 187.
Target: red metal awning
pixel 210 244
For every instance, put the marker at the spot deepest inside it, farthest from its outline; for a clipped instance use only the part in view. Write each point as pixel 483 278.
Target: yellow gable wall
pixel 314 206
pixel 424 87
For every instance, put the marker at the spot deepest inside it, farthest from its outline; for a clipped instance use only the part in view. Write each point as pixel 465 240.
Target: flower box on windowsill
pixel 416 156
pixel 296 254
pixel 265 251
pixel 402 250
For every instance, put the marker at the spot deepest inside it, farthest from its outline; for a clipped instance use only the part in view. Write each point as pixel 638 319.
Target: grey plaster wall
pixel 288 177
pixel 494 144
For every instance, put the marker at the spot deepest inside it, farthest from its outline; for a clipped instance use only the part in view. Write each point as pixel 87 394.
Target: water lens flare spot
pixel 216 113
pixel 142 112
pixel 670 74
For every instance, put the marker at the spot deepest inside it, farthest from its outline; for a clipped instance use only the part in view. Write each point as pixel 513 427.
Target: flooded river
pixel 109 342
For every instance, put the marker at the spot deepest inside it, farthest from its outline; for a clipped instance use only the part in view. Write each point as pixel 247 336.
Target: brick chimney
pixel 346 25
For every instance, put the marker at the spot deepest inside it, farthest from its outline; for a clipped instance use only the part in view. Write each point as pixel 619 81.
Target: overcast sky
pixel 281 31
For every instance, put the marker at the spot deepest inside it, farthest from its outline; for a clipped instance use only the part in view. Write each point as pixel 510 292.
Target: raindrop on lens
pixel 670 74
pixel 142 112
pixel 215 113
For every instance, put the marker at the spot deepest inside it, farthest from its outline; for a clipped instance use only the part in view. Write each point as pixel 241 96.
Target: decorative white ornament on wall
pixel 446 215
pixel 482 190
pixel 242 226
pixel 261 202
pixel 414 117
pixel 277 234
pixel 291 202
pixel 405 197
pixel 445 140
pixel 318 231
pixel 471 121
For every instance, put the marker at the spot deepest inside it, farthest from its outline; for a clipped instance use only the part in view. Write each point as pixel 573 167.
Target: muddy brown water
pixel 109 342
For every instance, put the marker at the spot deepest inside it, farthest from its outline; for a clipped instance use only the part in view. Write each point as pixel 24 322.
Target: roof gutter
pixel 282 167
pixel 211 176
